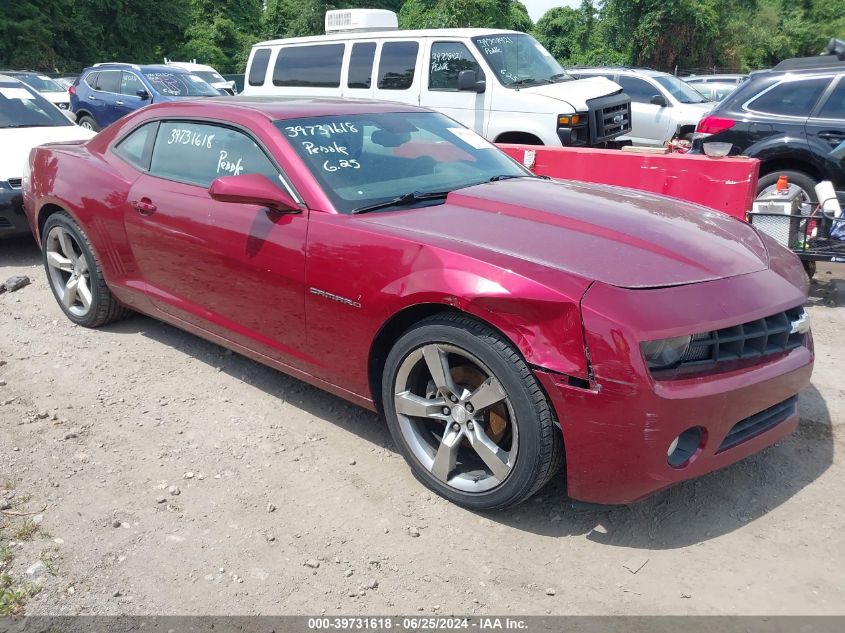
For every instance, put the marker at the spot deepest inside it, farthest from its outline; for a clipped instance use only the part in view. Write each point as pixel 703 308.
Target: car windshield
pixel 209 76
pixel 679 89
pixel 41 83
pixel 22 107
pixel 519 60
pixel 173 84
pixel 367 160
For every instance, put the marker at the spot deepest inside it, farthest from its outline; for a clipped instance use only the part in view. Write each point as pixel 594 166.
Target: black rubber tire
pixel 90 121
pixel 104 307
pixel 540 440
pixel 799 178
pixel 809 267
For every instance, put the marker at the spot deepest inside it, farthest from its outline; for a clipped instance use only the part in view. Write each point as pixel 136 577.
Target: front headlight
pixel 666 352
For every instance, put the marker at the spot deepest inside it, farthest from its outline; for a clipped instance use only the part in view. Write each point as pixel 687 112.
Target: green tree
pixel 431 14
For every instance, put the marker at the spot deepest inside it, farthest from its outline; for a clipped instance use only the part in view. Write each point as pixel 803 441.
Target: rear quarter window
pixel 309 66
pixel 258 68
pixel 795 98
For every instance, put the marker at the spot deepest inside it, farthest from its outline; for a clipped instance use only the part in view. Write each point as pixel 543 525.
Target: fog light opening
pixel 685 447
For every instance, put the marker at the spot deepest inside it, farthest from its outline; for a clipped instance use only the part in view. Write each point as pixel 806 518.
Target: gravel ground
pixel 166 475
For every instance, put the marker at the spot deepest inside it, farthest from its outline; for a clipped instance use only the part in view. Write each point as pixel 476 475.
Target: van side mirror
pixel 468 81
pixel 252 189
pixel 659 100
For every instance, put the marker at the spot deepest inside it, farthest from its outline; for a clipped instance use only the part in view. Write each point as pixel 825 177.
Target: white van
pixel 502 84
pixel 206 73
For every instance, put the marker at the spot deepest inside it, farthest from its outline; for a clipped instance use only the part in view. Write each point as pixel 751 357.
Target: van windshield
pixel 379 161
pixel 519 60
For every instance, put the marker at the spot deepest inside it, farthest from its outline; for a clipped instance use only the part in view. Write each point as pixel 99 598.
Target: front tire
pixel 468 415
pixel 75 276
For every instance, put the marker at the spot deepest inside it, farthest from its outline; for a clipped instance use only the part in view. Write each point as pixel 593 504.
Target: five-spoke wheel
pixel 468 414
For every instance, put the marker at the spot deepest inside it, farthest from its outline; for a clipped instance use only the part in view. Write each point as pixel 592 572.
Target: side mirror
pixel 143 94
pixel 659 100
pixel 252 189
pixel 468 81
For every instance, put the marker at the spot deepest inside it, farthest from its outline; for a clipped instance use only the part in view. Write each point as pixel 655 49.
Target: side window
pixel 396 65
pixel 791 98
pixel 130 84
pixel 640 91
pixel 258 69
pixel 834 107
pixel 108 81
pixel 135 148
pixel 309 66
pixel 361 65
pixel 91 79
pixel 447 60
pixel 197 153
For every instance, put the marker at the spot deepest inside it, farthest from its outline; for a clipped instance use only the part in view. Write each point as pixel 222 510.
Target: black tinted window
pixel 361 65
pixel 108 81
pixel 197 153
pixel 309 66
pixel 396 65
pixel 258 69
pixel 135 147
pixel 791 98
pixel 447 60
pixel 640 91
pixel 834 107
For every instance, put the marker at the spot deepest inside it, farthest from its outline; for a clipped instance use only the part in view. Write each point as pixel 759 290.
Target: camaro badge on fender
pixel 338 298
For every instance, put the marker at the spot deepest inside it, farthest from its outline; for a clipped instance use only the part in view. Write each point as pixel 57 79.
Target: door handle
pixel 144 206
pixel 832 136
pixel 118 102
pixel 92 98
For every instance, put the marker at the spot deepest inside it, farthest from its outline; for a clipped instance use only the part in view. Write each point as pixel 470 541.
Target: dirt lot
pixel 167 475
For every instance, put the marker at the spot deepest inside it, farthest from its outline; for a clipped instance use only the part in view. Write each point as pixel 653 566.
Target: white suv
pixel 663 107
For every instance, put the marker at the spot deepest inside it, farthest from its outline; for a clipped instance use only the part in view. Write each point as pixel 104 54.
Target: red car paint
pixel 575 275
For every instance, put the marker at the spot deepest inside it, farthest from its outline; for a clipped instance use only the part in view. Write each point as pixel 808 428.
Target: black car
pixel 791 118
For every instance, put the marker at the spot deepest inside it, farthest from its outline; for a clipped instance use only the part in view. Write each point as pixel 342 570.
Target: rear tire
pixel 468 415
pixel 75 275
pixel 88 123
pixel 799 178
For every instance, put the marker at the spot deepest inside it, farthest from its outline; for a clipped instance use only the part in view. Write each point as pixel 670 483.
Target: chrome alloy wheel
pixel 456 417
pixel 68 271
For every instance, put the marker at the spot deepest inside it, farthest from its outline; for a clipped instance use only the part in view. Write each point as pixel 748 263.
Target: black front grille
pixel 15 183
pixel 755 339
pixel 609 117
pixel 759 423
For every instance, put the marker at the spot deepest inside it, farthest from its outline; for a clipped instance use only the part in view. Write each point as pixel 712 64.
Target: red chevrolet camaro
pixel 505 324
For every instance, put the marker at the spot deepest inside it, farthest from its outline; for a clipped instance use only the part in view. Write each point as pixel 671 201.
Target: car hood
pixel 577 92
pixel 617 236
pixel 17 142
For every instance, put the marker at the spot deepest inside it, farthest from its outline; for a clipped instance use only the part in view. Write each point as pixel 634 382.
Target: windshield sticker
pixel 440 61
pixel 228 166
pixel 470 138
pixel 325 129
pixel 189 137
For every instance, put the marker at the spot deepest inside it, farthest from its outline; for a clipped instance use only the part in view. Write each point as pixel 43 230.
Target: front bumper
pixel 12 219
pixel 617 432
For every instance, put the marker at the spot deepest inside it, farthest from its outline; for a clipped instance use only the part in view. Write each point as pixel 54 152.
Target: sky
pixel 536 8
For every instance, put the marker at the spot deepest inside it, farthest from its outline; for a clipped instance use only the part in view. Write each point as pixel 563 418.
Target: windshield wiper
pixel 530 80
pixel 405 199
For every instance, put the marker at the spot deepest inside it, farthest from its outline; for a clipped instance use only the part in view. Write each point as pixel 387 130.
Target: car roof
pixel 281 108
pixel 621 69
pixel 188 65
pixel 9 79
pixel 394 34
pixel 162 68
